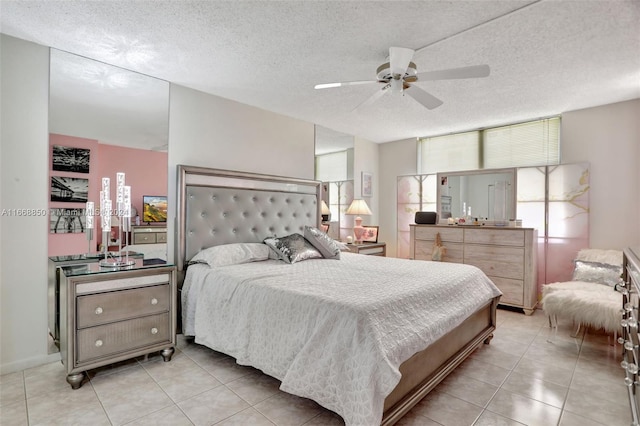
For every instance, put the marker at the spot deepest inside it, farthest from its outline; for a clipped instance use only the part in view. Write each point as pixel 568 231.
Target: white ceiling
pixel 546 57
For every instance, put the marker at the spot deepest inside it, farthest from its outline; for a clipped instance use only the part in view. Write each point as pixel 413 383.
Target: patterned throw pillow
pixel 324 243
pixel 595 272
pixel 293 248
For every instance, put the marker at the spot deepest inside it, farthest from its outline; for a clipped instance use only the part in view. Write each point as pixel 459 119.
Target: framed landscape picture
pixel 70 159
pixel 69 189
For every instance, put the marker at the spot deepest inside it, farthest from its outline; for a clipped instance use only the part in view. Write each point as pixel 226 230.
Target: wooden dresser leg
pixel 488 339
pixel 529 311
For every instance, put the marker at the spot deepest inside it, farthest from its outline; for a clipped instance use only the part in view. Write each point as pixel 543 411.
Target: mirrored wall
pixel 334 167
pixel 102 120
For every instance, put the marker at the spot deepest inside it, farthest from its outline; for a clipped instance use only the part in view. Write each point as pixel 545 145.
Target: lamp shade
pixel 324 208
pixel 359 207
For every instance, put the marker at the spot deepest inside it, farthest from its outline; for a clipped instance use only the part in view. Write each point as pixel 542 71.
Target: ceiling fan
pixel 398 74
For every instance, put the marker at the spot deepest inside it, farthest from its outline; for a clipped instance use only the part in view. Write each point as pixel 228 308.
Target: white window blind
pixel 450 153
pixel 331 167
pixel 536 143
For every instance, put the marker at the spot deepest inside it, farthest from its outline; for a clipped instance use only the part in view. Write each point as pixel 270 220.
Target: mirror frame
pixel 514 179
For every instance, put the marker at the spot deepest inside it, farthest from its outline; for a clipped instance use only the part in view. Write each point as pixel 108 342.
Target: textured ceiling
pixel 546 57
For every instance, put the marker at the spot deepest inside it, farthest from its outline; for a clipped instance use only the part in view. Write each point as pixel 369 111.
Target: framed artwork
pixel 67 221
pixel 69 159
pixel 370 234
pixel 69 190
pixel 367 184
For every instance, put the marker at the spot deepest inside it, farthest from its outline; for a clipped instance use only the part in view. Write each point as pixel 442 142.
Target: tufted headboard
pixel 222 207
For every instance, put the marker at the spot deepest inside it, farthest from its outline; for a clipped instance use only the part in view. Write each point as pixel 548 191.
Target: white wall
pixel 209 131
pixel 608 137
pixel 24 75
pixel 366 159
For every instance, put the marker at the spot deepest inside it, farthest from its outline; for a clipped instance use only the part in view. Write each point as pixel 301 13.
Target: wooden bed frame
pixel 221 207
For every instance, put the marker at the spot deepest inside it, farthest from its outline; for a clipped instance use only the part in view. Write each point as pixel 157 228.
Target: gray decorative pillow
pixel 293 248
pixel 324 243
pixel 595 272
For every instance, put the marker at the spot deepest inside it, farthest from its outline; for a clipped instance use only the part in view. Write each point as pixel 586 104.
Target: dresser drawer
pixel 161 238
pixel 446 233
pixel 503 262
pixel 424 249
pixel 144 238
pixel 123 336
pixel 102 308
pixel 512 290
pixel 503 237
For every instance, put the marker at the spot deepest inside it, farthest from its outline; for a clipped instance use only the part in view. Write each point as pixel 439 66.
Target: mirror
pixel 334 167
pixel 488 195
pixel 102 120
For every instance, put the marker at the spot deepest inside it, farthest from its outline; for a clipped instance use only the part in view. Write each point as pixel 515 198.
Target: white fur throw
pixel 572 285
pixel 609 257
pixel 585 304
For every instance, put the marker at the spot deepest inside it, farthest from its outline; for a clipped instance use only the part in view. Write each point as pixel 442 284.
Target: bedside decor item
pixel 370 234
pixel 367 184
pixel 123 214
pixel 325 211
pixel 358 208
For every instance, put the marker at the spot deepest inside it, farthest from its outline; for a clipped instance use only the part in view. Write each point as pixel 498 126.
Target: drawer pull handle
pixel 98 310
pixel 154 330
pixel 154 301
pixel 98 343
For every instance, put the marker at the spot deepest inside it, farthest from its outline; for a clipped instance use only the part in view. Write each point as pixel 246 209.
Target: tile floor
pixel 520 378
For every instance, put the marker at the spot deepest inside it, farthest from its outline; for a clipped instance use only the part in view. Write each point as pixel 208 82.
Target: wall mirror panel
pixel 102 120
pixel 482 194
pixel 334 167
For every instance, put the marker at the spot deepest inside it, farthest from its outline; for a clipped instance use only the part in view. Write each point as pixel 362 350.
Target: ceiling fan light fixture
pixel 384 73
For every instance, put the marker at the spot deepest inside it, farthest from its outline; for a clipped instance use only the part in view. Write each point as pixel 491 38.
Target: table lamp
pixel 358 208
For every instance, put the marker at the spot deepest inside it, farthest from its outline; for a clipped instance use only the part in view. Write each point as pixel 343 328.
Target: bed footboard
pixel 426 369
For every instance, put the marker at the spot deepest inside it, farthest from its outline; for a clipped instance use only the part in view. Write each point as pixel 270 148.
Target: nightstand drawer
pixel 161 238
pixel 113 306
pixel 143 238
pixel 109 339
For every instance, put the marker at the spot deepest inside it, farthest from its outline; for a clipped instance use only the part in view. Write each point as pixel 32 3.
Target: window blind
pixel 450 153
pixel 536 143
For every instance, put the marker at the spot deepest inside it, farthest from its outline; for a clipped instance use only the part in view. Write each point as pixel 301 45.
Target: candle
pixel 126 201
pixel 120 193
pixel 106 188
pixel 106 216
pixel 90 213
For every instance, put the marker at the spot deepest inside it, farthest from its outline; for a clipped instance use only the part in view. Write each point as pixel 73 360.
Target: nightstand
pixel 109 315
pixel 371 249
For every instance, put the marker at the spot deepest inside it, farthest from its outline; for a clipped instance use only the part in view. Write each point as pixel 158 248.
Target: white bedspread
pixel 335 331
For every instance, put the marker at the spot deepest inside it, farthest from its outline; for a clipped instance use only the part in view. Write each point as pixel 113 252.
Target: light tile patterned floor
pixel 520 378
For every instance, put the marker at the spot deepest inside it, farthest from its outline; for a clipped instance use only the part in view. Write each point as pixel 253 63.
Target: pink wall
pixel 145 171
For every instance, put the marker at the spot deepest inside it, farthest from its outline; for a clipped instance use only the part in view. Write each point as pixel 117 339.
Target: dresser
pixel 149 234
pixel 630 289
pixel 111 315
pixel 371 249
pixel 506 255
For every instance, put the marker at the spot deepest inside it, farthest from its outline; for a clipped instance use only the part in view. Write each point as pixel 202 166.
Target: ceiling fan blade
pixel 399 58
pixel 371 99
pixel 426 99
pixel 344 83
pixel 475 71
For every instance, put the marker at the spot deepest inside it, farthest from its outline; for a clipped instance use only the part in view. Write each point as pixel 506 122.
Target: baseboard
pixel 23 364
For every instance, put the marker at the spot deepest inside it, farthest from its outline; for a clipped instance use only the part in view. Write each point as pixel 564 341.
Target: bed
pixel 310 322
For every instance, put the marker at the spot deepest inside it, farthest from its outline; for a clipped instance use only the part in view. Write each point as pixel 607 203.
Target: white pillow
pixel 232 254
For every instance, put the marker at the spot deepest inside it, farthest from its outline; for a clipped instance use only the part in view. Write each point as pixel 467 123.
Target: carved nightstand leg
pixel 167 354
pixel 488 339
pixel 75 380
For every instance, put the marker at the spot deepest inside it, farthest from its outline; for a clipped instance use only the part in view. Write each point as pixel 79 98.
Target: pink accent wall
pixel 145 171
